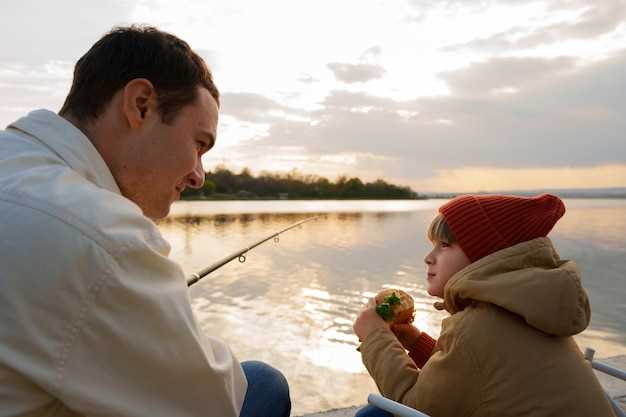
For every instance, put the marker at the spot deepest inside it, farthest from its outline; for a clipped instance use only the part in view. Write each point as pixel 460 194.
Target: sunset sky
pixel 439 95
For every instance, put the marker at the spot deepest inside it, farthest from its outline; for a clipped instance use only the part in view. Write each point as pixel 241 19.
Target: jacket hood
pixel 528 279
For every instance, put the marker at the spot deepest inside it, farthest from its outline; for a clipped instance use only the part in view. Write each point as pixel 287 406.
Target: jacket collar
pixel 528 279
pixel 70 144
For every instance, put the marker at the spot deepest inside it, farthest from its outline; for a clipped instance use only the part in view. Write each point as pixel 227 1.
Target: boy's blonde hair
pixel 439 231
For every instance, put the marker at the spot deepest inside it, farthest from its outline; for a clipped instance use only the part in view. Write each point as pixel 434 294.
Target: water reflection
pixel 292 304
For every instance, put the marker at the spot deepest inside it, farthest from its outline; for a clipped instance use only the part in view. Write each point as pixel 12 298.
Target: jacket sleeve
pixel 393 371
pixel 423 348
pixel 135 348
pixel 447 386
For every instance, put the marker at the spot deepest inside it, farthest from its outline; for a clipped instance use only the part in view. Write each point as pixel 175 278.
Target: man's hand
pixel 368 321
pixel 407 335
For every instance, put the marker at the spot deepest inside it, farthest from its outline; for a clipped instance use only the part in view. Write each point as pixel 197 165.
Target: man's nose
pixel 196 178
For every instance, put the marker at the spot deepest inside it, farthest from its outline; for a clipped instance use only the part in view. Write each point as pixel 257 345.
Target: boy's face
pixel 442 263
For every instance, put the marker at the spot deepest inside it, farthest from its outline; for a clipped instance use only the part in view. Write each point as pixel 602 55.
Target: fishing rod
pixel 241 255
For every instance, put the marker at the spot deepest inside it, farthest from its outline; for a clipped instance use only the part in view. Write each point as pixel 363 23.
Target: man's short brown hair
pixel 127 53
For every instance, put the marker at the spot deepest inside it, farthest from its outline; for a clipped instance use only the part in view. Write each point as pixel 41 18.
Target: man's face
pixel 164 159
pixel 442 263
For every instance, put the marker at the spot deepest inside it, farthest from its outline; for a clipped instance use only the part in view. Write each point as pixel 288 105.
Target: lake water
pixel 292 303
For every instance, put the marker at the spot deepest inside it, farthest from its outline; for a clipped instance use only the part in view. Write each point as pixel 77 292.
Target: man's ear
pixel 139 101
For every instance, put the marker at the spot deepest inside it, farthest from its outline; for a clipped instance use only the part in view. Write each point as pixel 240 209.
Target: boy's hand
pixel 368 321
pixel 407 334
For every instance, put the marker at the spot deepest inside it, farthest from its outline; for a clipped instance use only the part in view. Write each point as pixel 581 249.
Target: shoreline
pixel 420 198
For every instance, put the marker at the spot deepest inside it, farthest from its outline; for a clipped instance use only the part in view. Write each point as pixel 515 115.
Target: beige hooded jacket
pixel 506 349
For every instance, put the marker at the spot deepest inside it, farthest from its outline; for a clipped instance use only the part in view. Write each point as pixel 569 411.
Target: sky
pixel 448 96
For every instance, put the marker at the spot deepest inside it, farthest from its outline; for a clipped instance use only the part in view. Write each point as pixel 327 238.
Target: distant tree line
pixel 222 183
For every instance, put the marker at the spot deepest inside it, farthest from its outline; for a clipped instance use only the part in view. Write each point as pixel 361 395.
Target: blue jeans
pixel 371 411
pixel 268 392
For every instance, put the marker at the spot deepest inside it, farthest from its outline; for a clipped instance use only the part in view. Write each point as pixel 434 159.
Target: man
pixel 95 319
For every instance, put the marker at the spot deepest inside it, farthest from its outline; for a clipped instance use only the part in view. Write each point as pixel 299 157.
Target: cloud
pixel 505 74
pixel 210 57
pixel 27 87
pixel 574 119
pixel 499 179
pixel 497 42
pixel 43 41
pixel 347 101
pixel 40 32
pixel 594 21
pixel 307 79
pixel 255 108
pixel 371 53
pixel 355 73
pixel 461 7
pixel 601 18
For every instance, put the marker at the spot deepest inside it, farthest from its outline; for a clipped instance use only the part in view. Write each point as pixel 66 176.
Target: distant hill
pixel 615 192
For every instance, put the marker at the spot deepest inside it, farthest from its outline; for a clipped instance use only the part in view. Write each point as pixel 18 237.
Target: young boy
pixel 507 348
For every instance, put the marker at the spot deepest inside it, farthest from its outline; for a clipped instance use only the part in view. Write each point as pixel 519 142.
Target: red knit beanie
pixel 484 224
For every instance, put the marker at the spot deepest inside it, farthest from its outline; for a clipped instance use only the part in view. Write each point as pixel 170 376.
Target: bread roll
pixel 395 306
